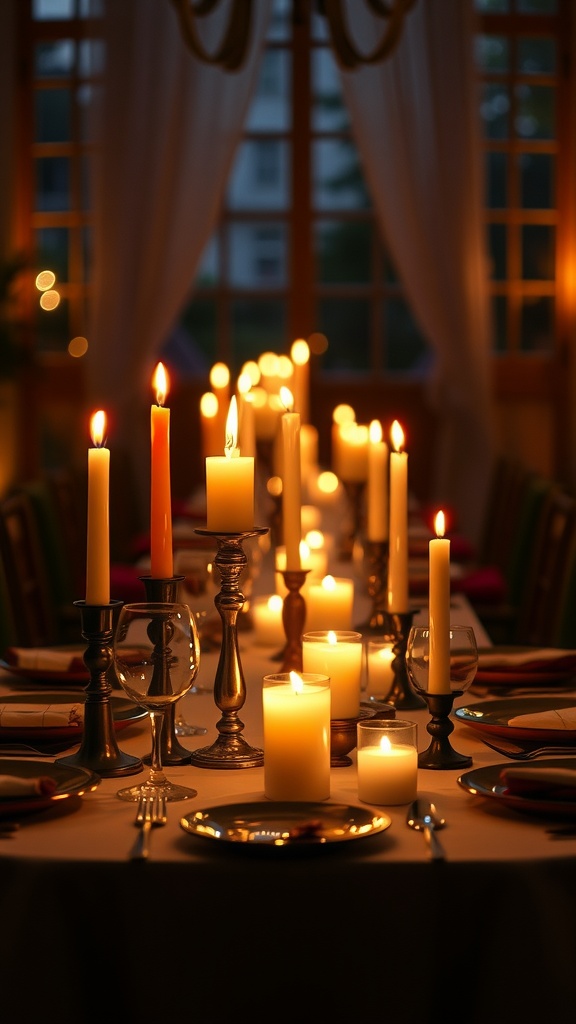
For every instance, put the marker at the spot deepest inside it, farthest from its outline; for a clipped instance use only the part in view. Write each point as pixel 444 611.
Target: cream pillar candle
pixel 377 524
pixel 267 618
pixel 329 603
pixel 291 482
pixel 353 453
pixel 230 484
pixel 379 669
pixel 296 717
pixel 338 654
pixel 161 555
pixel 387 763
pixel 439 610
pixel 98 524
pixel 398 542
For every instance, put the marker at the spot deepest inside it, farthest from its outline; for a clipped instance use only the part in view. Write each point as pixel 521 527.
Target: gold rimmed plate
pixel 523 718
pixel 280 825
pixel 70 781
pixel 124 712
pixel 485 782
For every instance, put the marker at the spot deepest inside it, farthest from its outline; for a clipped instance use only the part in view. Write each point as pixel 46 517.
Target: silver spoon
pixel 423 816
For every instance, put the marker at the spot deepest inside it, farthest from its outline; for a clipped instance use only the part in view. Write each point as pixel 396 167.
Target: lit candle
pixel 398 542
pixel 439 609
pixel 291 482
pixel 230 484
pixel 379 669
pixel 98 524
pixel 300 356
pixel 220 383
pixel 377 527
pixel 209 424
pixel 161 559
pixel 387 771
pixel 296 718
pixel 353 452
pixel 329 603
pixel 337 654
pixel 246 422
pixel 267 619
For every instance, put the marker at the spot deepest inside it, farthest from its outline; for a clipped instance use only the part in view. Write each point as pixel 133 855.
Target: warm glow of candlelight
pixel 385 745
pixel 98 427
pixel 160 383
pixel 300 352
pixel 230 449
pixel 219 376
pixel 397 436
pixel 440 524
pixel 375 432
pixel 287 398
pixel 296 682
pixel 209 405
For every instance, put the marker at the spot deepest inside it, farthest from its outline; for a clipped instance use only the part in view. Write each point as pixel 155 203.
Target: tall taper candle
pixel 161 556
pixel 398 542
pixel 377 526
pixel 439 609
pixel 98 524
pixel 291 482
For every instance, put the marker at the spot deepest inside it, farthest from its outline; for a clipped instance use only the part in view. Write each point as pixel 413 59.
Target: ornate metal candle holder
pixel 344 734
pixel 401 694
pixel 354 491
pixel 171 750
pixel 230 749
pixel 98 748
pixel 440 753
pixel 377 557
pixel 293 619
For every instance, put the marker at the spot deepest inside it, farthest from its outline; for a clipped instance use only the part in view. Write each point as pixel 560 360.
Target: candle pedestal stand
pixel 163 591
pixel 98 748
pixel 293 619
pixel 440 753
pixel 377 554
pixel 401 695
pixel 343 731
pixel 354 491
pixel 230 749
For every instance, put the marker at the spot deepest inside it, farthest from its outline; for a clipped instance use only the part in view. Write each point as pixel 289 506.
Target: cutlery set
pixel 151 813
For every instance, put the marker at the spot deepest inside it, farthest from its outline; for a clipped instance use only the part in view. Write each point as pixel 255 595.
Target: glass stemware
pixel 463 658
pixel 157 657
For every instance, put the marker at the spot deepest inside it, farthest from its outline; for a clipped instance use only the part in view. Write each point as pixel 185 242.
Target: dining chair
pixel 27 579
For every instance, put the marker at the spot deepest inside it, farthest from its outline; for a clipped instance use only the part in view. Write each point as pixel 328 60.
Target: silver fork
pixel 151 813
pixel 517 753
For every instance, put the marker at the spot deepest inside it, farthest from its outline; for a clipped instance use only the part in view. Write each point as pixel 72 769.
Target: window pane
pixel 338 183
pixel 43 10
pixel 269 111
pixel 537 55
pixel 191 347
pixel 52 251
pixel 209 273
pixel 280 26
pixel 497 251
pixel 495 110
pixel 536 112
pixel 257 326
pixel 496 167
pixel 537 180
pixel 257 255
pixel 537 325
pixel 538 252
pixel 343 252
pixel 54 60
pixel 406 347
pixel 52 115
pixel 499 307
pixel 52 184
pixel 328 110
pixel 260 178
pixel 346 324
pixel 492 53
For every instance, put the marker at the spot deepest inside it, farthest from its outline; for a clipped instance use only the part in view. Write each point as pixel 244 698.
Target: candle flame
pixel 440 524
pixel 300 352
pixel 375 432
pixel 98 428
pixel 332 638
pixel 160 383
pixel 297 682
pixel 230 449
pixel 397 436
pixel 329 583
pixel 244 383
pixel 287 398
pixel 275 602
pixel 209 405
pixel 219 376
pixel 385 745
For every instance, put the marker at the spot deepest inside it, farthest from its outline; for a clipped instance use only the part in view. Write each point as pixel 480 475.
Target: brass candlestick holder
pixel 354 491
pixel 401 694
pixel 377 556
pixel 230 749
pixel 98 748
pixel 440 753
pixel 293 619
pixel 172 752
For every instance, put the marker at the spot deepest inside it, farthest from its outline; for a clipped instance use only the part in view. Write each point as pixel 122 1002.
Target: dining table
pixel 208 928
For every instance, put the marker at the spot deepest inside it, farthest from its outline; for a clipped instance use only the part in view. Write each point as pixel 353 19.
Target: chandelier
pixel 235 41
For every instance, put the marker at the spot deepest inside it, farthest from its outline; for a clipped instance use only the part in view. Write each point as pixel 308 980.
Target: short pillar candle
pixel 387 761
pixel 296 716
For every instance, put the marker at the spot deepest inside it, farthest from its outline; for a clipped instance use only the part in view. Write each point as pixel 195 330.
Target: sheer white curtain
pixel 165 130
pixel 416 122
pixel 7 97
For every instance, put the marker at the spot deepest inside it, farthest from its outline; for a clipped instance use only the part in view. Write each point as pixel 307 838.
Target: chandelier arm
pixel 234 45
pixel 347 52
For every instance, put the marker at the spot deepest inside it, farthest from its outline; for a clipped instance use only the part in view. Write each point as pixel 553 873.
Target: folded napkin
pixel 534 659
pixel 556 718
pixel 551 783
pixel 33 716
pixel 46 659
pixel 15 785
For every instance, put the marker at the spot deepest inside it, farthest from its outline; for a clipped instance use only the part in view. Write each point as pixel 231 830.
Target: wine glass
pixel 157 657
pixel 198 590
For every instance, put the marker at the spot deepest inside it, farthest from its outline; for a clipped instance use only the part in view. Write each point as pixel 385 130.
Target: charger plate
pixel 124 712
pixel 70 781
pixel 281 824
pixel 485 782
